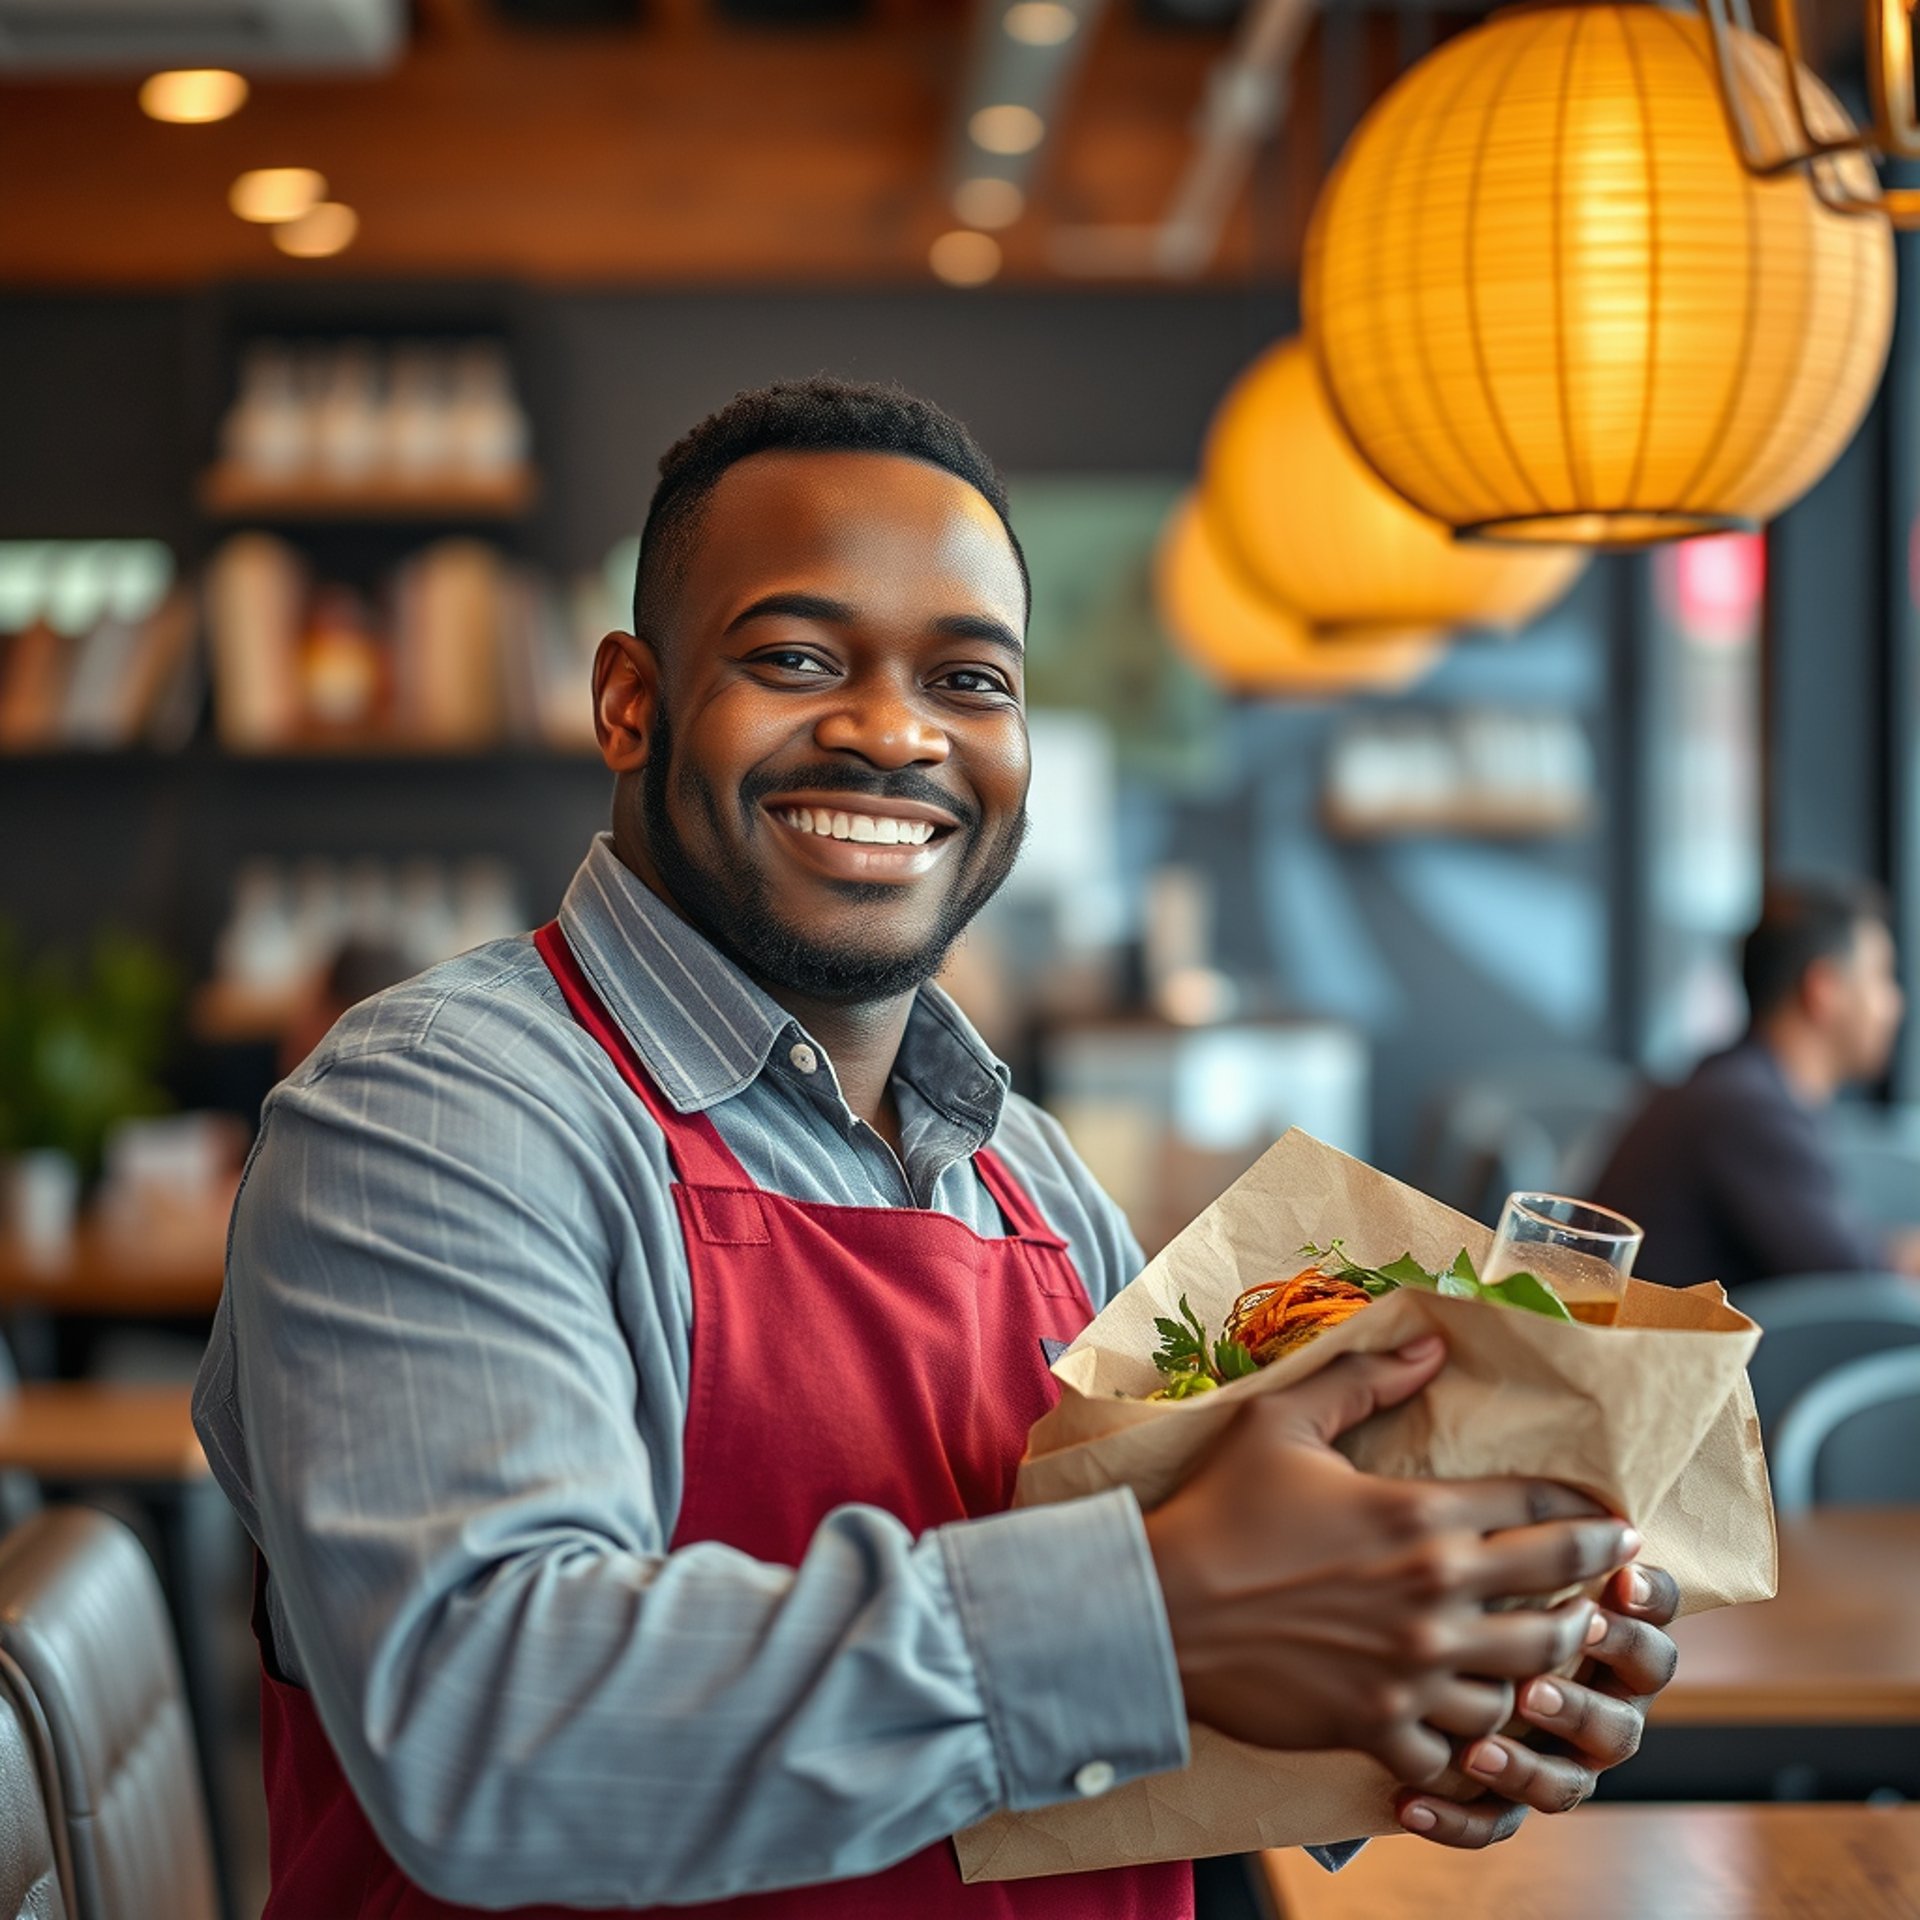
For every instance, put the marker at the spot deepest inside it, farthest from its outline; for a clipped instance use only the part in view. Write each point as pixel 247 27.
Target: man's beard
pixel 737 917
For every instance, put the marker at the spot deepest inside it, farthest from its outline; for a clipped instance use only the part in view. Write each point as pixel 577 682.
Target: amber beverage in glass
pixel 1583 1252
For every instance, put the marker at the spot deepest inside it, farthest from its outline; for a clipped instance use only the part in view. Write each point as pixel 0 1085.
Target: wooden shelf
pixel 1469 820
pixel 234 493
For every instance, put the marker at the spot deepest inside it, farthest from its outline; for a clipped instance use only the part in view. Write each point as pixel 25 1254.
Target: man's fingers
pixel 1521 1644
pixel 1357 1386
pixel 1492 1506
pixel 1600 1728
pixel 1414 1755
pixel 1548 1782
pixel 1480 1823
pixel 1546 1559
pixel 1469 1708
pixel 1648 1593
pixel 1637 1654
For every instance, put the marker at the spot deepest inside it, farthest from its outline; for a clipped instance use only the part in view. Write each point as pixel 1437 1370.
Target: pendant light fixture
pixel 1235 635
pixel 1818 138
pixel 1312 526
pixel 1548 302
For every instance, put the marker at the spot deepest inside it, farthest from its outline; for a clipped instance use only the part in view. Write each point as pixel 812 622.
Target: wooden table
pixel 1633 1863
pixel 103 1274
pixel 74 1430
pixel 1839 1646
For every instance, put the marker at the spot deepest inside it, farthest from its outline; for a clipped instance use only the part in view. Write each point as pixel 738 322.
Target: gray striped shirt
pixel 446 1394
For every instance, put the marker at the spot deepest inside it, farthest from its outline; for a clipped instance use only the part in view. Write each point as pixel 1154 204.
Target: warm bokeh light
pixel 326 229
pixel 965 259
pixel 989 203
pixel 1040 23
pixel 1007 129
pixel 192 96
pixel 270 195
pixel 1549 302
pixel 1253 645
pixel 1312 525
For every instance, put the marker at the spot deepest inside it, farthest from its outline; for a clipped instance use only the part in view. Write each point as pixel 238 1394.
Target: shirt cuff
pixel 1064 1617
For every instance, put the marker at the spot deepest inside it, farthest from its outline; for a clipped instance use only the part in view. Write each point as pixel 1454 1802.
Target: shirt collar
pixel 705 1031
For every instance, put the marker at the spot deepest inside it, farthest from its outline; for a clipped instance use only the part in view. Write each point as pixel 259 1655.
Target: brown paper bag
pixel 1651 1416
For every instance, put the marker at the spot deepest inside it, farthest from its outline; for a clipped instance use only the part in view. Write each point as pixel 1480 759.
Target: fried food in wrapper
pixel 1651 1416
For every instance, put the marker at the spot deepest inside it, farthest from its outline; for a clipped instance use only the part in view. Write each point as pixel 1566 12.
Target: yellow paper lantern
pixel 1239 637
pixel 1314 527
pixel 1549 303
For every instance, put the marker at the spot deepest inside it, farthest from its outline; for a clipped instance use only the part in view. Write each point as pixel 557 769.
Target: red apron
pixel 921 1373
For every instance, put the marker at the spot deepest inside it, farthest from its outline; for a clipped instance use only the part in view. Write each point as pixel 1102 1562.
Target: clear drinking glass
pixel 1583 1252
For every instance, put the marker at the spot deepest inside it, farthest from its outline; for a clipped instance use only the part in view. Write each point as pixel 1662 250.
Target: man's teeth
pixel 879 828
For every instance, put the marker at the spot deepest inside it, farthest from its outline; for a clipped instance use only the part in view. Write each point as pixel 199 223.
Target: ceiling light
pixel 1519 323
pixel 1253 644
pixel 1310 525
pixel 987 202
pixel 272 194
pixel 1007 129
pixel 965 259
pixel 191 96
pixel 1040 23
pixel 326 229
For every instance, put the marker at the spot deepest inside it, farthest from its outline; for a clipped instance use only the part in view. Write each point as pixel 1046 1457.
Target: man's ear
pixel 1822 986
pixel 626 686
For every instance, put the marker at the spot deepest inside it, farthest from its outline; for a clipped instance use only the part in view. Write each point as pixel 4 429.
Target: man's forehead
pixel 852 510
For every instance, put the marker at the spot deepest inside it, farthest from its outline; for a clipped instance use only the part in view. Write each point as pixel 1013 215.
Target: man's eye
pixel 792 660
pixel 974 680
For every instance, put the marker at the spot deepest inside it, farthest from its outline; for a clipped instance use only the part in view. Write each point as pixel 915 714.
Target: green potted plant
pixel 80 1047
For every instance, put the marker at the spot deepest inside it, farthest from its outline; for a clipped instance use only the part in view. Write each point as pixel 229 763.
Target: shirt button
pixel 1093 1779
pixel 804 1057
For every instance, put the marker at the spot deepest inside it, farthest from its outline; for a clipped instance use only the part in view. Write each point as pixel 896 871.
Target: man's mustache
pixel 906 784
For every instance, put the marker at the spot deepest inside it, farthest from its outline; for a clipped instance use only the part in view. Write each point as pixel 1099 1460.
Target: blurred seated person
pixel 1731 1172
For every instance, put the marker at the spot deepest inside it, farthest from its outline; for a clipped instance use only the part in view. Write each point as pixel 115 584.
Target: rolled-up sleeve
pixel 451 1433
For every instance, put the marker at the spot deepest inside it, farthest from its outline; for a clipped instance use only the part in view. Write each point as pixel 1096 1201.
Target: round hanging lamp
pixel 1549 303
pixel 1313 526
pixel 1234 634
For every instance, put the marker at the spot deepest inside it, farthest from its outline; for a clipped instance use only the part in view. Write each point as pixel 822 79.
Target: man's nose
pixel 883 724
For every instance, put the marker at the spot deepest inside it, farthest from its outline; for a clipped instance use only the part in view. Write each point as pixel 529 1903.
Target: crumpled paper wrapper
pixel 1652 1417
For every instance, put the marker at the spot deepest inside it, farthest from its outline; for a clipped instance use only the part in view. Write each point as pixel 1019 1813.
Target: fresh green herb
pixel 1192 1364
pixel 1457 1282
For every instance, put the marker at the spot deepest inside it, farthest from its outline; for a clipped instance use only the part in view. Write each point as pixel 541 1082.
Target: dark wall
pixel 1087 382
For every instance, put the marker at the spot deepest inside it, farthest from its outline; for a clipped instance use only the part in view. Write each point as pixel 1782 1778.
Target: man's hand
pixel 1314 1606
pixel 1595 1721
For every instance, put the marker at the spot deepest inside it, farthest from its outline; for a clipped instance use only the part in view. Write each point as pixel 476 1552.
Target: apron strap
pixel 1025 1219
pixel 700 1157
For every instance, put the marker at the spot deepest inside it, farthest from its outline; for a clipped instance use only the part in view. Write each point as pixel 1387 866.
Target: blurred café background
pixel 339 338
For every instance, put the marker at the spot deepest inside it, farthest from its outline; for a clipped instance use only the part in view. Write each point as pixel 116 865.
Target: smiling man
pixel 631 1330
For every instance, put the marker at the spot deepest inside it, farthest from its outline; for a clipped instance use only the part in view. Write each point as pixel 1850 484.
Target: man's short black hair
pixel 1801 921
pixel 820 415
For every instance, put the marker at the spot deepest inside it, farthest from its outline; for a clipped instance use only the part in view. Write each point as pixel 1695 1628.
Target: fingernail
pixel 1639 1588
pixel 1422 1349
pixel 1596 1627
pixel 1630 1541
pixel 1545 1697
pixel 1418 1819
pixel 1487 1758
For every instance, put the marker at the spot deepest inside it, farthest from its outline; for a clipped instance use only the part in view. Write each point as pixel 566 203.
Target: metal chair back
pixel 1853 1438
pixel 1815 1322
